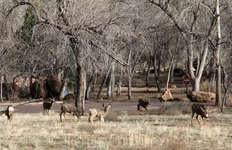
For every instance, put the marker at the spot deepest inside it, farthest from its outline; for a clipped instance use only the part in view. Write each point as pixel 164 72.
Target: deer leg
pixel 204 120
pixel 8 119
pixel 64 116
pixel 61 116
pixel 102 120
pixel 73 116
pixel 192 119
pixel 146 108
pixel 12 120
pixel 198 120
pixel 91 119
pixel 49 112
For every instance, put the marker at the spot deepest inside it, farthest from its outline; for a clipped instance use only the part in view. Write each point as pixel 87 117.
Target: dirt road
pixel 116 106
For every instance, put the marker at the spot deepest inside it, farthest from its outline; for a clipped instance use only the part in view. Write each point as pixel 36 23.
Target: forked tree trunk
pixel 102 84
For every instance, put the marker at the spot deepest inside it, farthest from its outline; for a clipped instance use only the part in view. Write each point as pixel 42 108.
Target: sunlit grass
pixel 121 131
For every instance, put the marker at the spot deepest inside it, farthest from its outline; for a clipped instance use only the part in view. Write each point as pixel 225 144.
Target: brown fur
pixel 47 106
pixel 70 96
pixel 101 113
pixel 68 108
pixel 143 103
pixel 201 110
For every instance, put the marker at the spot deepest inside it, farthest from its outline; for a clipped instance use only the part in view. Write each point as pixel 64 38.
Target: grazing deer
pixel 201 110
pixel 9 112
pixel 96 112
pixel 143 103
pixel 47 106
pixel 68 108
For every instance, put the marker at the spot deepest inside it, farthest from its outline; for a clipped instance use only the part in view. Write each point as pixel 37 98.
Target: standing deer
pixel 9 112
pixel 96 112
pixel 143 103
pixel 201 110
pixel 68 108
pixel 47 106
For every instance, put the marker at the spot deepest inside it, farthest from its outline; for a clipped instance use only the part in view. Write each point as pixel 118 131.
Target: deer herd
pixel 198 109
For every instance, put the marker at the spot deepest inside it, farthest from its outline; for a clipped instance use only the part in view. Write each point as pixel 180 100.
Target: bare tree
pixel 190 13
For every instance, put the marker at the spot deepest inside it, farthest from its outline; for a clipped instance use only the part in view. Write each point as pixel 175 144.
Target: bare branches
pixel 164 7
pixel 17 4
pixel 112 55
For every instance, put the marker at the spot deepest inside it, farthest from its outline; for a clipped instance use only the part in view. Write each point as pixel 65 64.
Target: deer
pixel 100 113
pixel 47 106
pixel 9 112
pixel 68 108
pixel 201 110
pixel 143 103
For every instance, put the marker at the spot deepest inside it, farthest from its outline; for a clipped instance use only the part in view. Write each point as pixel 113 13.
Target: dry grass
pixel 121 130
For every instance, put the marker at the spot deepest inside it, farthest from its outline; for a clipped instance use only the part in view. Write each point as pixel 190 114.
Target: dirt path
pixel 115 106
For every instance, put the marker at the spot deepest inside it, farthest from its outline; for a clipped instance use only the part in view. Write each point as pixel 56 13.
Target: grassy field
pixel 121 130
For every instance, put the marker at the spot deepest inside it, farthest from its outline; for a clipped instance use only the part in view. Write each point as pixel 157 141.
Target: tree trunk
pixel 80 76
pixel 217 57
pixel 172 72
pixel 7 90
pixel 87 91
pixel 112 79
pixel 64 85
pixel 156 72
pixel 108 85
pixel 102 84
pixel 196 84
pixel 80 98
pixel 226 84
pixel 129 87
pixel 94 82
pixel 119 88
pixel 1 89
pixel 148 72
pixel 169 71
